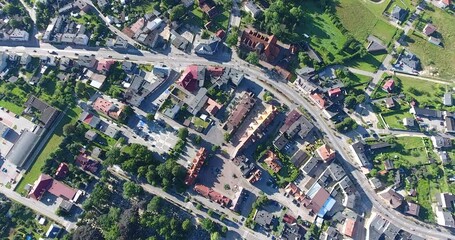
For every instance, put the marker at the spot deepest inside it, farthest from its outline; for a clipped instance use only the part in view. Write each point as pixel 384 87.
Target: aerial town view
pixel 227 119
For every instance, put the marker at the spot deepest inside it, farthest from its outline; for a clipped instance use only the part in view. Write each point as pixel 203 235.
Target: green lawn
pixel 368 63
pixel 366 20
pixel 196 17
pixel 437 59
pixel 198 122
pixel 11 106
pixel 395 118
pixel 407 149
pixel 326 38
pixel 53 143
pixel 425 92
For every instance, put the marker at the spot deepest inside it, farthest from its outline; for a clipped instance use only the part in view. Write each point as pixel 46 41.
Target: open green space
pixel 435 59
pixel 394 118
pixel 405 149
pixel 198 18
pixel 425 92
pixel 53 143
pixel 198 122
pixel 362 18
pixel 368 63
pixel 326 37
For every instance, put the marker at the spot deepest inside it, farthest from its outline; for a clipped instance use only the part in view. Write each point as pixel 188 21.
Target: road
pixel 38 207
pixel 283 91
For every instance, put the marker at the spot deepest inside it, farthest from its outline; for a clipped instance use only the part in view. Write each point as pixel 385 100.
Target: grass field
pixel 366 20
pixel 53 143
pixel 326 38
pixel 441 60
pixel 395 118
pixel 11 106
pixel 425 92
pixel 368 63
pixel 409 149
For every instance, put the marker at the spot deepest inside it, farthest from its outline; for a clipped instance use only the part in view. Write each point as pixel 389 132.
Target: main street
pixel 283 90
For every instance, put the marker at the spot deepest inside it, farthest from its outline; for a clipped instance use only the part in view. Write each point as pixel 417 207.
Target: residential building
pixel 241 110
pixel 309 167
pixel 410 60
pixel 47 113
pixel 90 119
pixel 263 218
pixel 375 45
pixel 46 183
pixel 408 122
pixel 292 232
pixel 90 135
pixel 399 14
pixel 273 162
pixel 447 99
pixel 326 153
pixel 441 142
pixel 53 231
pixel 266 46
pixel 389 103
pixel 425 112
pixel 412 209
pixel 349 227
pixel 209 8
pixel 389 85
pixel 449 125
pixel 446 201
pixel 212 195
pixel 444 217
pixel 393 198
pixel 318 200
pixel 376 184
pixel 86 163
pixel 209 47
pixel 19 35
pixel 252 9
pixel 25 59
pixel 3 62
pixel 196 165
pixel 179 42
pixel 292 190
pixel 62 171
pixel 429 29
pixel 444 3
pixel 108 108
pixel 104 65
pixel 434 40
pixel 319 100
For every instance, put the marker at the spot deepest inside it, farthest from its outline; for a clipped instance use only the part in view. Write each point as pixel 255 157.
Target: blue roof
pixel 326 207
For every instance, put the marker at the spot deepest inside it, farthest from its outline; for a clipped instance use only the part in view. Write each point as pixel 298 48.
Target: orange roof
pixel 212 195
pixel 326 153
pixel 198 161
pixel 212 106
pixel 107 107
pixel 104 65
pixel 273 162
pixel 349 227
pixel 318 99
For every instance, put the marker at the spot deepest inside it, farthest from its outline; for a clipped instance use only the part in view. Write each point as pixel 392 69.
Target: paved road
pixel 284 91
pixel 38 207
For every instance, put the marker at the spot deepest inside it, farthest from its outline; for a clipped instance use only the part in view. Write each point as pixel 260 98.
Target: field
pixel 53 143
pixel 326 38
pixel 425 92
pixel 366 20
pixel 196 17
pixel 395 118
pixel 368 63
pixel 407 149
pixel 440 59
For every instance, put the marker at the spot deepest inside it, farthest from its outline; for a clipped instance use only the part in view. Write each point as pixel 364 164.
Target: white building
pixel 447 99
pixel 19 35
pixel 81 39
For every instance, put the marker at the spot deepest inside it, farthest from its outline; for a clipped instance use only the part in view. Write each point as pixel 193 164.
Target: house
pixel 388 165
pixel 19 35
pixel 412 209
pixel 212 107
pixel 209 8
pixel 444 3
pixel 25 59
pixel 241 110
pixel 86 61
pixel 389 103
pixel 434 40
pixel 408 122
pixel 111 131
pixel 66 206
pixel 192 78
pixel 360 153
pixel 446 201
pixel 299 158
pixel 252 9
pixel 394 198
pixel 53 231
pixel 326 153
pixel 263 218
pixel 90 135
pixel 209 47
pixel 87 164
pixel 449 124
pixel 292 232
pixel 319 100
pixel 104 66
pixel 108 108
pixel 280 142
pixel 388 85
pixel 444 217
pixel 273 162
pixel 47 113
pixel 429 29
pixel 375 45
pixel 447 99
pixel 46 183
pixel 179 42
pixel 441 142
pixel 292 190
pixel 309 167
pixel 212 195
pixel 349 227
pixel 90 119
pixel 425 112
pixel 376 184
pixel 318 200
pixel 335 92
pixel 399 14
pixel 410 60
pixel 62 171
pixel 196 165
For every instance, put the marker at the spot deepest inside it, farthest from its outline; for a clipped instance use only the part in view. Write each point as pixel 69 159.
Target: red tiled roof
pixel 62 170
pixel 104 65
pixel 289 219
pixel 335 92
pixel 389 85
pixel 107 107
pixel 188 79
pixel 273 162
pixel 212 195
pixel 215 71
pixel 46 183
pixel 252 39
pixel 447 2
pixel 221 33
pixel 212 106
pixel 318 200
pixel 349 227
pixel 429 29
pixel 87 164
pixel 326 153
pixel 291 118
pixel 198 161
pixel 318 99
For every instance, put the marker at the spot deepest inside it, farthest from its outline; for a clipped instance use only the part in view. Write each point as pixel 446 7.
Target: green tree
pixel 150 116
pixel 131 190
pixel 177 12
pixel 232 38
pixel 252 58
pixel 215 236
pixel 80 88
pixel 210 212
pixel 183 133
pixel 69 129
pixel 186 225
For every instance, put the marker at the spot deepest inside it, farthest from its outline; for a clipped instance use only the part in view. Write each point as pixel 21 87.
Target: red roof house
pixel 107 107
pixel 273 162
pixel 349 227
pixel 319 100
pixel 87 164
pixel 291 118
pixel 429 29
pixel 198 161
pixel 104 65
pixel 388 85
pixel 289 219
pixel 221 33
pixel 335 92
pixel 212 195
pixel 46 183
pixel 189 78
pixel 212 107
pixel 326 153
pixel 62 170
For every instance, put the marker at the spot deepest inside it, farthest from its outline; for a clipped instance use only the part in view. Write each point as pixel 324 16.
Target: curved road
pixel 284 90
